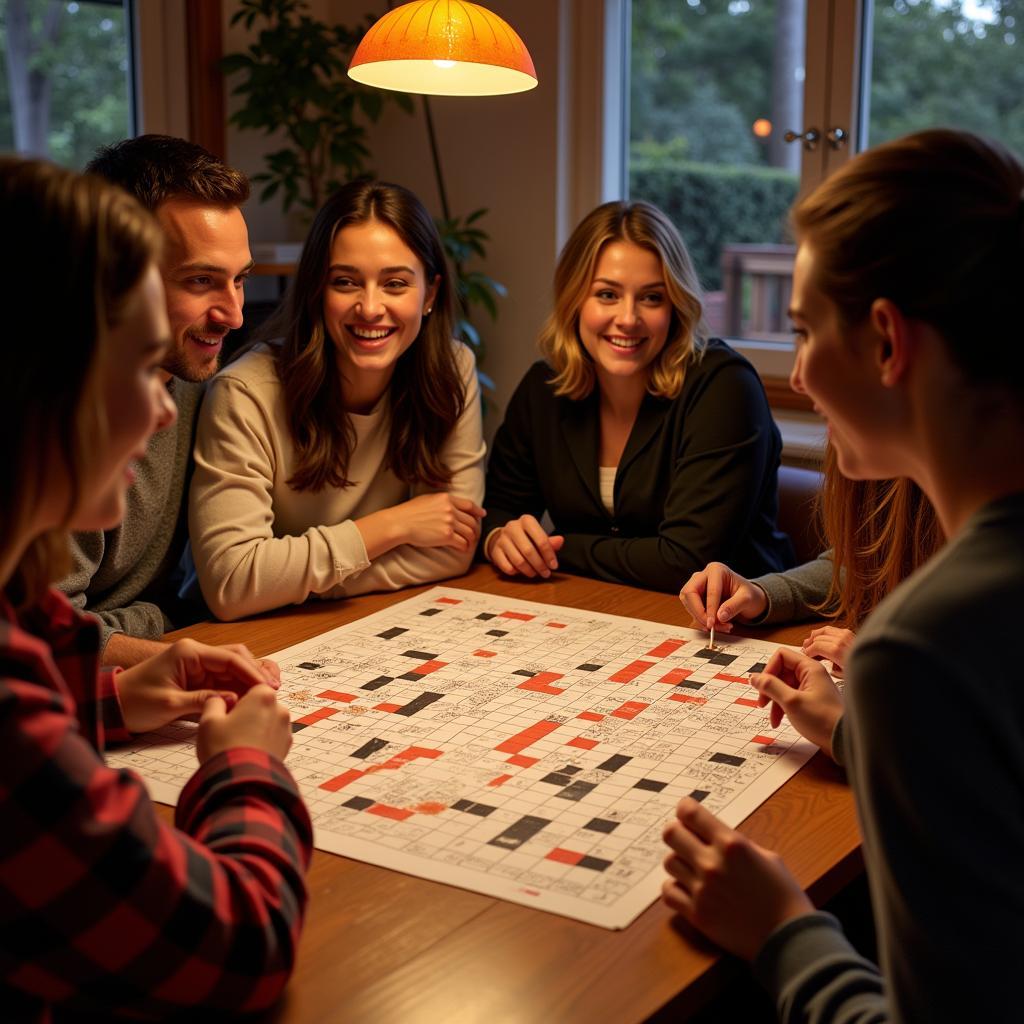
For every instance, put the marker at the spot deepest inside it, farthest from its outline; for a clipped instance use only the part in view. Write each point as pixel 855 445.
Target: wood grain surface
pixel 380 946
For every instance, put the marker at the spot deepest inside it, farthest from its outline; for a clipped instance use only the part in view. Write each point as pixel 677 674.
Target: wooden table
pixel 381 946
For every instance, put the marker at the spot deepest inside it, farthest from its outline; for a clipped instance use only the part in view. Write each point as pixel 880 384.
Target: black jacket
pixel 697 481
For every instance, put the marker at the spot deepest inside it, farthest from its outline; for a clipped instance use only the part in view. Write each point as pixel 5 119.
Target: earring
pixel 427 311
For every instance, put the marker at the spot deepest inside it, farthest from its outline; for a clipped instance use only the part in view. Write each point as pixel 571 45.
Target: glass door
pixel 717 140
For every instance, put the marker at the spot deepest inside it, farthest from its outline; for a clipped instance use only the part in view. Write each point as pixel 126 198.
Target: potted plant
pixel 293 78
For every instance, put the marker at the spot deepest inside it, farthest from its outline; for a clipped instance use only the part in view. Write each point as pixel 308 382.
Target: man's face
pixel 206 262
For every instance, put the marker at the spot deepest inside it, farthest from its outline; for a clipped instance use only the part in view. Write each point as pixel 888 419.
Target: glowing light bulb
pixel 444 63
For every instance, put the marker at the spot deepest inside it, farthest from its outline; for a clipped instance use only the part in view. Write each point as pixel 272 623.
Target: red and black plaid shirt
pixel 103 907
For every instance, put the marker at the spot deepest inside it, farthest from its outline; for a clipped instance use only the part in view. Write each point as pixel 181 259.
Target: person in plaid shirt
pixel 104 909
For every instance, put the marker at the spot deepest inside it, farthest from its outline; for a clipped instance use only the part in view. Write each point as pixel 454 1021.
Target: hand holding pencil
pixel 716 597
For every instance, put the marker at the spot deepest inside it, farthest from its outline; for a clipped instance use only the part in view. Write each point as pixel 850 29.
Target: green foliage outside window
pixel 933 65
pixel 78 51
pixel 701 75
pixel 714 206
pixel 701 72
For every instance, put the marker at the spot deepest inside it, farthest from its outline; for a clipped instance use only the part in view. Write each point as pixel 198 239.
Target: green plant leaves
pixel 293 79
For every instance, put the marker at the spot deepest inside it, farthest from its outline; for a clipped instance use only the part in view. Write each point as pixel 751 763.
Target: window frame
pixel 179 86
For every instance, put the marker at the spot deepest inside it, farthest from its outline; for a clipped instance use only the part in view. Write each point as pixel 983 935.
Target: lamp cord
pixel 437 160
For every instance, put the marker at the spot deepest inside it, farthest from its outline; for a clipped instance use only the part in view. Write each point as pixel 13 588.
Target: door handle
pixel 837 137
pixel 810 138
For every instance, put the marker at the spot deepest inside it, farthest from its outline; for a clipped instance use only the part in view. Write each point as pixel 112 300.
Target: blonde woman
pixel 650 446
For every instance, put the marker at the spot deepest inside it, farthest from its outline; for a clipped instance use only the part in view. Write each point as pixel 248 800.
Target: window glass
pixel 946 63
pixel 65 86
pixel 715 84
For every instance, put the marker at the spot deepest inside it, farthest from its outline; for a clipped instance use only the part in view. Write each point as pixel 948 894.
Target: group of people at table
pixel 343 453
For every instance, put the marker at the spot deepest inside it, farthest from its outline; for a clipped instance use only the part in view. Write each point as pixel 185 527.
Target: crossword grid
pixel 521 750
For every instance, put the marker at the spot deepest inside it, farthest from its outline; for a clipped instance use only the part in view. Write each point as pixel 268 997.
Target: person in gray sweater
pixel 877 531
pixel 906 342
pixel 125 576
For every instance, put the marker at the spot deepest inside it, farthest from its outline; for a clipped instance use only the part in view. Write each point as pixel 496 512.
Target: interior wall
pixel 497 152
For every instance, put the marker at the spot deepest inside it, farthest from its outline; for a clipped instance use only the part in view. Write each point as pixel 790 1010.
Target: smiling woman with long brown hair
pixel 347 457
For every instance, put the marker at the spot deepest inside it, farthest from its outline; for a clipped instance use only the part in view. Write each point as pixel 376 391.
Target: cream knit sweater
pixel 259 544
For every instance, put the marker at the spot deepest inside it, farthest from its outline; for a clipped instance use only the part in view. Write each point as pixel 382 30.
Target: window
pixel 715 85
pixel 66 86
pixel 940 62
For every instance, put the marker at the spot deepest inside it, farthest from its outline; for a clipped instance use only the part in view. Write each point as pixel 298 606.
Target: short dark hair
pixel 155 168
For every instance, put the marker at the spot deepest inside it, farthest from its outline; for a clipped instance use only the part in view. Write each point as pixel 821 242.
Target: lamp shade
pixel 443 48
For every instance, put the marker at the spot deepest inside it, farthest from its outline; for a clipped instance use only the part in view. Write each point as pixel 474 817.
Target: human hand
pixel 734 891
pixel 522 548
pixel 257 720
pixel 180 680
pixel 830 643
pixel 799 688
pixel 703 593
pixel 440 520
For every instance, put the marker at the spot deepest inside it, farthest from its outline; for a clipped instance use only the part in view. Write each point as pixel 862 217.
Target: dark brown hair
pixel 426 393
pixel 84 244
pixel 646 226
pixel 154 168
pixel 933 222
pixel 880 531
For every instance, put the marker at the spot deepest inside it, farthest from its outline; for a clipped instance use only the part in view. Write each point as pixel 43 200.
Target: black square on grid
pixel 359 803
pixel 651 785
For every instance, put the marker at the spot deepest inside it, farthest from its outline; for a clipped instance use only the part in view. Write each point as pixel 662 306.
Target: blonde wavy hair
pixel 84 244
pixel 646 226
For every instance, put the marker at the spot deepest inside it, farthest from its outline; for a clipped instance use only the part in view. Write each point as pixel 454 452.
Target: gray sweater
pixel 121 575
pixel 933 740
pixel 796 593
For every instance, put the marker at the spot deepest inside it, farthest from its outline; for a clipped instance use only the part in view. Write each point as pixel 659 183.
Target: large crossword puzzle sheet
pixel 521 750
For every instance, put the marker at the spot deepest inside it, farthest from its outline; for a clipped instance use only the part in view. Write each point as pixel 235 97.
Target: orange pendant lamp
pixel 443 48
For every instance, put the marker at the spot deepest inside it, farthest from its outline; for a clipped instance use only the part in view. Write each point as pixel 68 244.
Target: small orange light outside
pixel 762 127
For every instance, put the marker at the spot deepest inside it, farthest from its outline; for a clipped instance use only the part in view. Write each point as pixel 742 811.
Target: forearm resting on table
pixel 124 651
pixel 381 532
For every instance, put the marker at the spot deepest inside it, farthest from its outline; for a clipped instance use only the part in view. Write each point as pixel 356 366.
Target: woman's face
pixel 136 400
pixel 625 317
pixel 839 369
pixel 376 297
